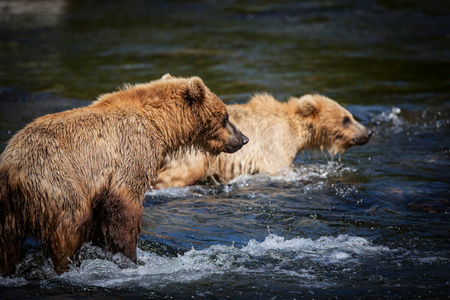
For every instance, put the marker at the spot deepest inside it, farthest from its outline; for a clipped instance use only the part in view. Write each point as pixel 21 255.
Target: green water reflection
pixel 359 52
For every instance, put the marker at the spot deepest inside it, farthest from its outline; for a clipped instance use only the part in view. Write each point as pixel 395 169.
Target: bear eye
pixel 225 120
pixel 346 121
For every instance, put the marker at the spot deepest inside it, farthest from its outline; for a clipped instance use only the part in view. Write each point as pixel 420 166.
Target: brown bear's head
pixel 333 127
pixel 214 132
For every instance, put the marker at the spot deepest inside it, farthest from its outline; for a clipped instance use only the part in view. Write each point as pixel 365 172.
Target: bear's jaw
pixel 237 145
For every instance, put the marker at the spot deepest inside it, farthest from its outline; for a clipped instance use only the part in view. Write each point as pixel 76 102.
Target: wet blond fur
pixel 277 132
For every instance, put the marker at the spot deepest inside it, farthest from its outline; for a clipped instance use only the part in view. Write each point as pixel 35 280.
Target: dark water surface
pixel 373 225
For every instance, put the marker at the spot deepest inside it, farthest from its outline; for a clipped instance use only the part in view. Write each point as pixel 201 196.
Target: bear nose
pixel 369 132
pixel 244 140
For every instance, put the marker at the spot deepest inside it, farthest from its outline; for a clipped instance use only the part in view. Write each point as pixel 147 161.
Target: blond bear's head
pixel 333 127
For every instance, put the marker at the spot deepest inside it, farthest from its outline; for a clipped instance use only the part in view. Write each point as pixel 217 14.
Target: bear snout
pixel 363 138
pixel 236 138
pixel 236 143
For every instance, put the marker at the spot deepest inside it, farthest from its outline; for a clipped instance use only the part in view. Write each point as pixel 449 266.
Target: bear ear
pixel 307 106
pixel 167 76
pixel 195 90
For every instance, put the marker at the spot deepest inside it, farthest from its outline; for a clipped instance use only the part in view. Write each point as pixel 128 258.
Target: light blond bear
pixel 81 175
pixel 277 132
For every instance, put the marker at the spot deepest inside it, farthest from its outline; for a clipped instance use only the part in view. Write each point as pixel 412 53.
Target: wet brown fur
pixel 277 132
pixel 80 175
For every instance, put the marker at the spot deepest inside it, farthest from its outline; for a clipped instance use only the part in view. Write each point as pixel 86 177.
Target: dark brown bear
pixel 80 175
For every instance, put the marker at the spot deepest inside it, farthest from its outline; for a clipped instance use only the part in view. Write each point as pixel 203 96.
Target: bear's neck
pixel 168 129
pixel 174 133
pixel 305 135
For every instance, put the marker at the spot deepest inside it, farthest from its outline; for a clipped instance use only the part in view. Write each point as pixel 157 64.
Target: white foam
pixel 273 255
pixel 221 259
pixel 170 192
pixel 326 246
pixel 298 173
pixel 10 282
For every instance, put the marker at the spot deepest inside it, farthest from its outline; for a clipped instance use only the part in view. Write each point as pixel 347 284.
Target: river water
pixel 373 225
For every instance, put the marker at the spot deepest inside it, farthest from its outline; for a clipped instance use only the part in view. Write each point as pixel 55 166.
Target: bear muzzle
pixel 236 143
pixel 363 138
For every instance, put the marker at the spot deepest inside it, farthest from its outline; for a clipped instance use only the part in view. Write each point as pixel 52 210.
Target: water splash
pixel 395 120
pixel 389 118
pixel 299 172
pixel 275 254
